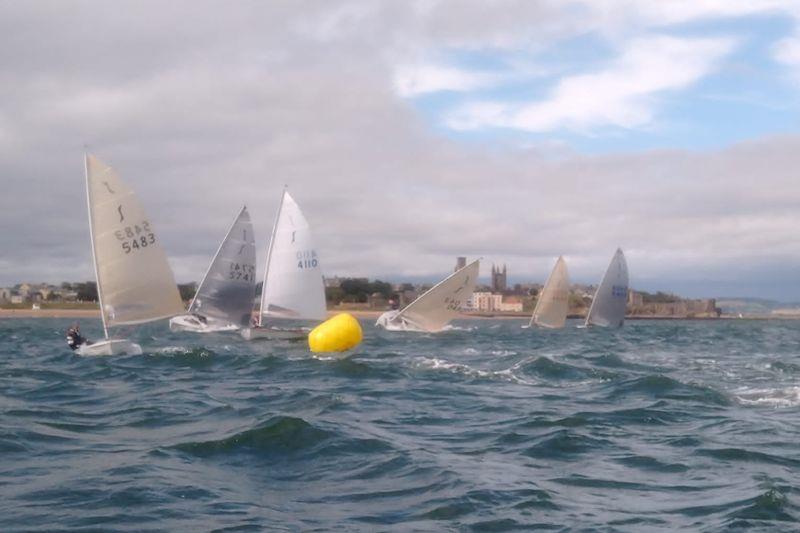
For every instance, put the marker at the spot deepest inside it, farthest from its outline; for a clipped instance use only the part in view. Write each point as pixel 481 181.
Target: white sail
pixel 227 290
pixel 293 286
pixel 134 281
pixel 611 298
pixel 553 303
pixel 436 308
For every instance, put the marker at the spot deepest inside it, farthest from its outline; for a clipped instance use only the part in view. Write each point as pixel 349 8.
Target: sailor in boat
pixel 74 337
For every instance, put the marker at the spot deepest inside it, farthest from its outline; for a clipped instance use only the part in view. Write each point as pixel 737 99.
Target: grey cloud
pixel 205 106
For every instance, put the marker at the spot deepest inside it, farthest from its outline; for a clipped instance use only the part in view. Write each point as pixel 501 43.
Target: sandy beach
pixel 49 313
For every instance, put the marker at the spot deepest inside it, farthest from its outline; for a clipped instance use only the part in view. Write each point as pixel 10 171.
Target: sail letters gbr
pixel 307 259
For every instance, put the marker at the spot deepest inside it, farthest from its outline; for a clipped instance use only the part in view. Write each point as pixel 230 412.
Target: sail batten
pixel 134 280
pixel 293 286
pixel 227 289
pixel 553 302
pixel 611 297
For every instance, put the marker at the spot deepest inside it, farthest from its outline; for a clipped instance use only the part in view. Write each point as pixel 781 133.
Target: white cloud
pixel 787 51
pixel 623 95
pixel 416 80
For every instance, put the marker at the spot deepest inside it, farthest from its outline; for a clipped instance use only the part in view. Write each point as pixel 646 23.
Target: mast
pixel 91 238
pixel 269 258
pixel 211 264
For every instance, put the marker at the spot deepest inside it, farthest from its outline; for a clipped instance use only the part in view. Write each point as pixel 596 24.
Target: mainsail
pixel 608 305
pixel 134 281
pixel 227 290
pixel 436 308
pixel 293 286
pixel 553 303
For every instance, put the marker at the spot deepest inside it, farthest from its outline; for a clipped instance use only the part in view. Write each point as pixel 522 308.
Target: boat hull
pixel 390 322
pixel 110 347
pixel 268 333
pixel 192 324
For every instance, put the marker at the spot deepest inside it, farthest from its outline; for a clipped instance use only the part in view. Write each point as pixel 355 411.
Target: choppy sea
pixel 659 426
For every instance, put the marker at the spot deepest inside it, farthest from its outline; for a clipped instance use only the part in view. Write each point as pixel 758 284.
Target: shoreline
pixel 373 315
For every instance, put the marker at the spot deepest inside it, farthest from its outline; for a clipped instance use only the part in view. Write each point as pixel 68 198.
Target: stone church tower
pixel 498 279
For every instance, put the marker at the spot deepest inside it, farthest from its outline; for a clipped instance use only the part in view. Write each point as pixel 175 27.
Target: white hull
pixel 274 333
pixel 110 347
pixel 390 322
pixel 192 324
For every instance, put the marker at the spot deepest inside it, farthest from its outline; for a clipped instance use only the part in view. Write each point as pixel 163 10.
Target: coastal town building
pixel 461 262
pixel 490 302
pixel 334 282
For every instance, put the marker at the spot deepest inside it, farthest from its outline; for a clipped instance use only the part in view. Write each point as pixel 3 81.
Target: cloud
pixel 787 52
pixel 416 80
pixel 623 95
pixel 203 116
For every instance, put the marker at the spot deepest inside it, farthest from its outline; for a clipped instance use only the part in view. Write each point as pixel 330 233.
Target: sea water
pixel 488 427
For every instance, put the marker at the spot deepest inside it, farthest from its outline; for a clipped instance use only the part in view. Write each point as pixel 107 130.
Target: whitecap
pixel 775 397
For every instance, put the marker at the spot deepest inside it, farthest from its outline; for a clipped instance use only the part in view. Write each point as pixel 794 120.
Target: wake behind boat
pixel 553 302
pixel 224 299
pixel 135 283
pixel 293 291
pixel 611 297
pixel 434 310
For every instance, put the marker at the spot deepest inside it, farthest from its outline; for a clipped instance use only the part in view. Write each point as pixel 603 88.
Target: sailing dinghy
pixel 293 289
pixel 434 310
pixel 135 284
pixel 224 299
pixel 553 303
pixel 611 297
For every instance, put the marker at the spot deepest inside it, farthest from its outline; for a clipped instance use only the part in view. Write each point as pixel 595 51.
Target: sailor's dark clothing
pixel 74 339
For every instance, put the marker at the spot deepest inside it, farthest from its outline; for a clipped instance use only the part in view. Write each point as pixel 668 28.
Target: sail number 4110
pixel 307 259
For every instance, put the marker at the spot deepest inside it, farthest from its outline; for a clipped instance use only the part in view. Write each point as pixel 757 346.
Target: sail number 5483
pixel 135 237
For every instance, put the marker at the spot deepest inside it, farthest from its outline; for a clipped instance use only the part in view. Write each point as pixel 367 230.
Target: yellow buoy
pixel 337 334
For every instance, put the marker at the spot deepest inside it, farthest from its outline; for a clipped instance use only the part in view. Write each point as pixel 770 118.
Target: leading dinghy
pixel 293 289
pixel 608 304
pixel 553 303
pixel 434 310
pixel 135 283
pixel 224 299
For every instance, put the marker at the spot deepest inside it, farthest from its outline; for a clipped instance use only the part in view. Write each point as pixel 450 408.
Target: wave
pixel 661 386
pixel 280 434
pixel 564 445
pixel 547 368
pixel 283 435
pixel 769 397
pixel 747 456
pixel 769 506
pixel 651 416
pixel 456 368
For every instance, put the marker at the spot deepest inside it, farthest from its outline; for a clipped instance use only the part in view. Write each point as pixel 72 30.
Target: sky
pixel 412 132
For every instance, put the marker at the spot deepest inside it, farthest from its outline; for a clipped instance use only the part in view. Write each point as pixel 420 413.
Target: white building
pixel 488 302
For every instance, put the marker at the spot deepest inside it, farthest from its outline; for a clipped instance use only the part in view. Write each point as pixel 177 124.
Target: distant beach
pixel 371 314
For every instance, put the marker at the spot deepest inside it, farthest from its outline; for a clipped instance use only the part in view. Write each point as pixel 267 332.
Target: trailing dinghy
pixel 434 310
pixel 611 297
pixel 135 283
pixel 553 302
pixel 293 290
pixel 224 299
